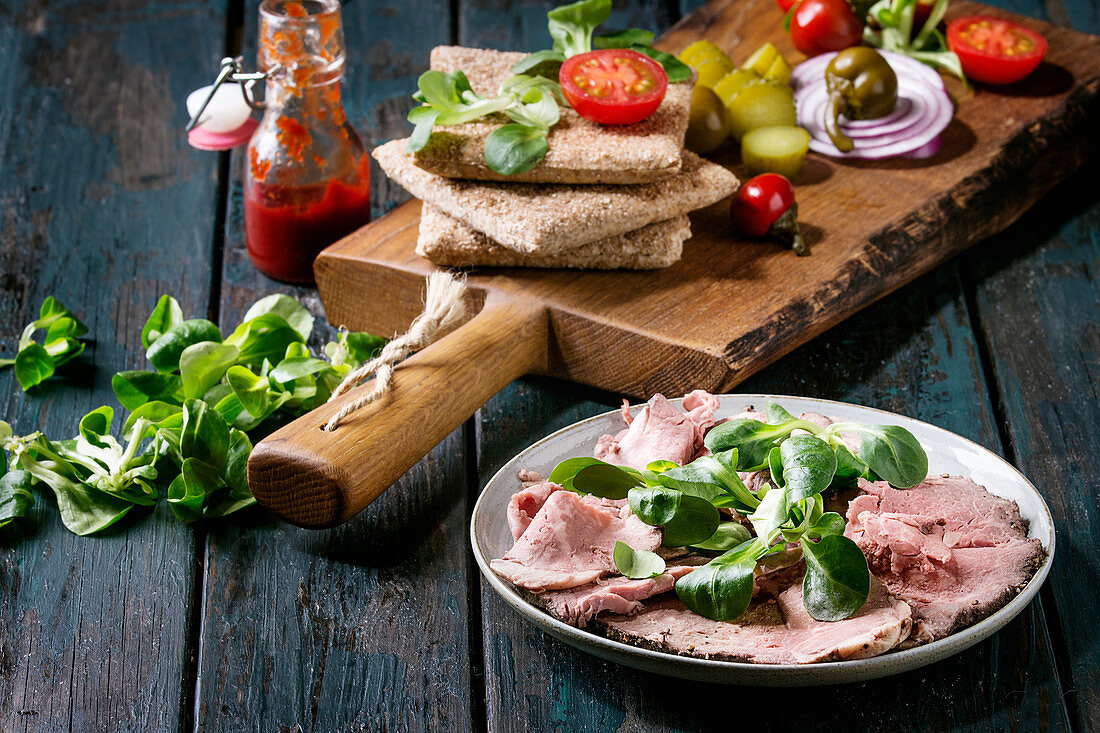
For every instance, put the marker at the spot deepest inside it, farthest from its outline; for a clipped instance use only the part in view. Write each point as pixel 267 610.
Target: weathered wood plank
pixel 1037 292
pixel 913 353
pixel 362 627
pixel 104 206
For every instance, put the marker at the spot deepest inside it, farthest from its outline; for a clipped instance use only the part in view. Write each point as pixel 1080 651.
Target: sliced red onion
pixel 926 151
pixel 913 128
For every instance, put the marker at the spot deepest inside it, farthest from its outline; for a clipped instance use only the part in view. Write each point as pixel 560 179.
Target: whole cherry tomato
pixel 765 206
pixel 820 26
pixel 785 5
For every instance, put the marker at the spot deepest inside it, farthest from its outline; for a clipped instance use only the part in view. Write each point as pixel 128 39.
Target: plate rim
pixel 850 670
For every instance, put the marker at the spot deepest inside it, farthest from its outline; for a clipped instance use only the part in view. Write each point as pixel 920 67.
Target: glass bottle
pixel 307 177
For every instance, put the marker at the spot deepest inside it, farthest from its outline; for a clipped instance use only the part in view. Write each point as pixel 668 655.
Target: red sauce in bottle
pixel 286 227
pixel 307 180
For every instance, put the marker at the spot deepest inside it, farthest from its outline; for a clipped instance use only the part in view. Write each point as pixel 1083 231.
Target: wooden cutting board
pixel 729 308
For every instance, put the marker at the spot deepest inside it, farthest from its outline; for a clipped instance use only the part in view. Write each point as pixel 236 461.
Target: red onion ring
pixel 925 111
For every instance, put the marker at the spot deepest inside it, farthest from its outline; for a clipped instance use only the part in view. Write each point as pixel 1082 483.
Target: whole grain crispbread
pixel 448 242
pixel 580 151
pixel 549 217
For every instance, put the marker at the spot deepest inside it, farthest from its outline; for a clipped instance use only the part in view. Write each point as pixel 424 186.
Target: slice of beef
pixel 770 632
pixel 979 518
pixel 618 594
pixel 570 540
pixel 700 407
pixel 525 504
pixel 661 431
pixel 882 623
pixel 953 551
pixel 775 572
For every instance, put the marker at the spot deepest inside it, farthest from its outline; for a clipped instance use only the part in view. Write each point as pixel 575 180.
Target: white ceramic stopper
pixel 226 112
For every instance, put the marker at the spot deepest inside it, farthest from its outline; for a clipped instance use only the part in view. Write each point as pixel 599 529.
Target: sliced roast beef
pixel 661 431
pixel 525 504
pixel 953 551
pixel 617 594
pixel 570 540
pixel 978 518
pixel 882 623
pixel 770 632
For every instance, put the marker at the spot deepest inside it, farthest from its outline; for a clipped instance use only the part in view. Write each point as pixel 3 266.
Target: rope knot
pixel 444 305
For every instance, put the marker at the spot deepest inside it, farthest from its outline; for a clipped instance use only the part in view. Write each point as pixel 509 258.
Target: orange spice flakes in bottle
pixel 307 177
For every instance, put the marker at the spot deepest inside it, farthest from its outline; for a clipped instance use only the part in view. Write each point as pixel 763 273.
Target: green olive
pixel 861 86
pixel 774 150
pixel 708 124
pixel 761 105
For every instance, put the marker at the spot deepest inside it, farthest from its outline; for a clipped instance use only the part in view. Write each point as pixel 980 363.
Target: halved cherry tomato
pixel 613 86
pixel 820 26
pixel 993 50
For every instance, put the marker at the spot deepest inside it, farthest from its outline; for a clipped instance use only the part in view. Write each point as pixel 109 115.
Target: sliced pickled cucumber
pixel 761 105
pixel 712 71
pixel 770 64
pixel 762 59
pixel 774 149
pixel 708 124
pixel 779 71
pixel 734 83
pixel 701 51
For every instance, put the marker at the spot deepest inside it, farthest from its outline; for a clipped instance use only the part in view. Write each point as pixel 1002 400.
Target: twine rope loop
pixel 444 305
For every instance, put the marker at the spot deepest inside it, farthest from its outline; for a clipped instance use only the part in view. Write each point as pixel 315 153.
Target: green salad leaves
pixel 192 419
pixel 572 28
pixel 530 99
pixel 531 103
pixel 803 460
pixel 36 362
pixel 890 28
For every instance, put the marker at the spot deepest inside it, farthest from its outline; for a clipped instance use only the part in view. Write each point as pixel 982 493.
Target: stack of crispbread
pixel 604 197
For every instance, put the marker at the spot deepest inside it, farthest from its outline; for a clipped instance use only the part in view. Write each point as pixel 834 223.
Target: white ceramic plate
pixel 947 453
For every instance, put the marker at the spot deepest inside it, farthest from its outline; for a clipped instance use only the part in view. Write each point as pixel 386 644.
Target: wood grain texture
pixel 363 628
pixel 1037 296
pixel 103 205
pixel 316 478
pixel 874 226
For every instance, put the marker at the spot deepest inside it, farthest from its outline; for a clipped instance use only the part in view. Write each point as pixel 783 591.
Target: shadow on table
pixel 977 689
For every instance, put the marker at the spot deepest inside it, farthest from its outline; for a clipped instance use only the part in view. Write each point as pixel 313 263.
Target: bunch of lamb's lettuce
pixel 187 438
pixel 684 501
pixel 36 362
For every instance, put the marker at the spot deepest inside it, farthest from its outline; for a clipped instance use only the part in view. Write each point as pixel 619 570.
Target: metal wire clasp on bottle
pixel 232 71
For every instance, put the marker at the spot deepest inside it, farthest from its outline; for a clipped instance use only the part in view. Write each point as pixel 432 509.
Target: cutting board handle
pixel 318 479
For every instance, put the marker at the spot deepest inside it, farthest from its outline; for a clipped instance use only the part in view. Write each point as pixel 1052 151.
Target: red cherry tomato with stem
pixel 785 5
pixel 994 50
pixel 765 206
pixel 820 26
pixel 613 86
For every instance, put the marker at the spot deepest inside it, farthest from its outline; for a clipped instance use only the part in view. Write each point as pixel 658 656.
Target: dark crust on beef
pixel 980 613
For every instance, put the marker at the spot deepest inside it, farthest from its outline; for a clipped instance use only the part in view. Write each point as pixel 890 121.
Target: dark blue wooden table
pixel 384 623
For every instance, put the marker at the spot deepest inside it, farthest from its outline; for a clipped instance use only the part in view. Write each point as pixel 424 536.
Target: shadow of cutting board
pixel 730 307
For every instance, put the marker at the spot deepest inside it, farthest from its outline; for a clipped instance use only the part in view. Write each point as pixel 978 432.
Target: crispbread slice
pixel 448 242
pixel 580 151
pixel 549 217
